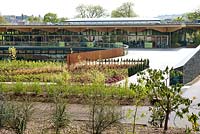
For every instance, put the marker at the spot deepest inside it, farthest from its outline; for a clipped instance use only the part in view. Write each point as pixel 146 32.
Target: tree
pixel 90 11
pixel 62 19
pixel 51 17
pixel 103 114
pixel 179 19
pixel 193 15
pixel 167 98
pixel 125 10
pixel 33 19
pixel 2 20
pixel 140 93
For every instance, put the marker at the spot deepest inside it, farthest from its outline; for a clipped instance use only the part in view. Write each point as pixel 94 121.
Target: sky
pixel 66 8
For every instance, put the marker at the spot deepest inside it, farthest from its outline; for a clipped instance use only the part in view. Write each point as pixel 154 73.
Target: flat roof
pixel 78 28
pixel 111 19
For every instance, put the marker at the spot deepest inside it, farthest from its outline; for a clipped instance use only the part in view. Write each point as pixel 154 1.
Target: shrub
pixel 19 115
pixel 60 117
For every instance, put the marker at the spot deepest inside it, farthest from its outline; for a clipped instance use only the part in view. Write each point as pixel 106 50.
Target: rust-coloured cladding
pixel 94 55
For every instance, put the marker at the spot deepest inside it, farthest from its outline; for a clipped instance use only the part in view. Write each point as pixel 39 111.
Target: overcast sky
pixel 66 8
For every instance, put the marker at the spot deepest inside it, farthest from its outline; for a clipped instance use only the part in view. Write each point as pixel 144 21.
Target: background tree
pixel 90 11
pixel 62 19
pixel 2 20
pixel 179 19
pixel 51 17
pixel 33 19
pixel 125 10
pixel 193 15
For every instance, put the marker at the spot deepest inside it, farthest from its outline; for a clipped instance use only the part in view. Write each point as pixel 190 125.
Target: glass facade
pixel 56 41
pixel 86 38
pixel 188 37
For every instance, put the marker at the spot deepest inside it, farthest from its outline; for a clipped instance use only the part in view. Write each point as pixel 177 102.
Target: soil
pixel 71 99
pixel 40 123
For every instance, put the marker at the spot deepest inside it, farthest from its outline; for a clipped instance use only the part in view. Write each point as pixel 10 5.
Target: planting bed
pixel 111 72
pixel 40 123
pixel 76 82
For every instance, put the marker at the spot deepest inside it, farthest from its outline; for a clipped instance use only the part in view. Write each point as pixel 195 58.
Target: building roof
pixel 186 59
pixel 112 21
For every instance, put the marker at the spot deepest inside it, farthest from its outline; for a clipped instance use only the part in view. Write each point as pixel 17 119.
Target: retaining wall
pixel 94 55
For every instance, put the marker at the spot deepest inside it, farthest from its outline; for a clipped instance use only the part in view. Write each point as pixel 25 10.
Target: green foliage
pixel 188 130
pixel 16 64
pixel 97 77
pixel 51 17
pixel 175 39
pixel 18 88
pixel 36 88
pixel 179 19
pixel 18 116
pixel 31 74
pixel 118 44
pixel 138 67
pixel 12 53
pixel 63 19
pixel 125 10
pixel 196 38
pixel 167 98
pixel 140 93
pixel 193 15
pixel 90 11
pixel 2 20
pixel 193 118
pixel 3 113
pixel 103 114
pixel 157 117
pixel 90 44
pixel 60 116
pixel 35 19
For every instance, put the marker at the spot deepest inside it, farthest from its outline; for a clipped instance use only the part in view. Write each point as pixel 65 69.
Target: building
pixel 55 41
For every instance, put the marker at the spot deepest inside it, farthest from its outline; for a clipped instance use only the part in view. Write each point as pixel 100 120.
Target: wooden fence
pixel 94 55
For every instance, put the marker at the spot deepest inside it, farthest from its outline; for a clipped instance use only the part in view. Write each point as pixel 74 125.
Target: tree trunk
pixel 166 121
pixel 134 118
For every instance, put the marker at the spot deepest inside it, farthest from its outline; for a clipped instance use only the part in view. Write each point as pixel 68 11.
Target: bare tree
pixel 90 11
pixel 103 114
pixel 125 10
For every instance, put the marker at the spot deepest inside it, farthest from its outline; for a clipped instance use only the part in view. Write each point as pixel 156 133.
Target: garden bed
pixel 111 71
pixel 71 99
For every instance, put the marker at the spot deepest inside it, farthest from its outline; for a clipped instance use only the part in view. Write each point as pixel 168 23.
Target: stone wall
pixel 191 69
